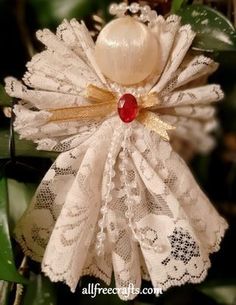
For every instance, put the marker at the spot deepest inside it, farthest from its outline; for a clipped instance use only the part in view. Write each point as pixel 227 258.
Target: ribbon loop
pixel 150 100
pixel 100 95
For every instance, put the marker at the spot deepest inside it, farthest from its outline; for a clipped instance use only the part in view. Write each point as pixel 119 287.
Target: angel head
pixel 127 51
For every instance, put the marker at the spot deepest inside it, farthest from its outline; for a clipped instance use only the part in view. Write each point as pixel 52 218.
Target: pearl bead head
pixel 126 51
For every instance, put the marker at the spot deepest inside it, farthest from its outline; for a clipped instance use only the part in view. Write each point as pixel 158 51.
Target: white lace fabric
pixel 118 188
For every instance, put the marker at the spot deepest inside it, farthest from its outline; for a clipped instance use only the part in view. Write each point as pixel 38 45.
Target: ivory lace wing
pixel 182 82
pixel 56 78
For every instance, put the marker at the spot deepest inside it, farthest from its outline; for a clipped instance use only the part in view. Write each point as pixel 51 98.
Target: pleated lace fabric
pixel 118 187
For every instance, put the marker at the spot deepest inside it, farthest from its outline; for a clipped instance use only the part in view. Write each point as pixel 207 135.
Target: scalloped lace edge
pixel 70 281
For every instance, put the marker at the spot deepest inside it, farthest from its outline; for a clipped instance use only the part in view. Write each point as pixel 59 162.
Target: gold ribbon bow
pixel 104 103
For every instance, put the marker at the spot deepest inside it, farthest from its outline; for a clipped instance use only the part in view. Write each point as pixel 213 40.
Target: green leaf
pixel 71 8
pixel 40 291
pixel 20 195
pixel 222 292
pixel 8 271
pixel 201 167
pixel 176 5
pixel 5 100
pixel 23 147
pixel 214 30
pixel 225 58
pixel 50 13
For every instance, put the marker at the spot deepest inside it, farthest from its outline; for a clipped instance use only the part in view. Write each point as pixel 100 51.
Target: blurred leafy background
pixel 22 167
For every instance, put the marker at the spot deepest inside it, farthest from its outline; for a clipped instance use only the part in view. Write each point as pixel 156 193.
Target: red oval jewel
pixel 127 108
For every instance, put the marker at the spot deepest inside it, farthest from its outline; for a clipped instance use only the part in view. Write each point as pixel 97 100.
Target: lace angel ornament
pixel 118 198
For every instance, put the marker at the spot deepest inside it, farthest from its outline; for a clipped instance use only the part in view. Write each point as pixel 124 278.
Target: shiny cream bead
pixel 134 7
pixel 113 9
pixel 126 51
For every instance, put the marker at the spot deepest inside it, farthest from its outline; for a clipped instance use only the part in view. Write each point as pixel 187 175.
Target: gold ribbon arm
pixel 82 112
pixel 151 120
pixel 100 95
pixel 150 100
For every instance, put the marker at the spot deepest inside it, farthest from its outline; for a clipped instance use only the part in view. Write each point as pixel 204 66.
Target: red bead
pixel 127 108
